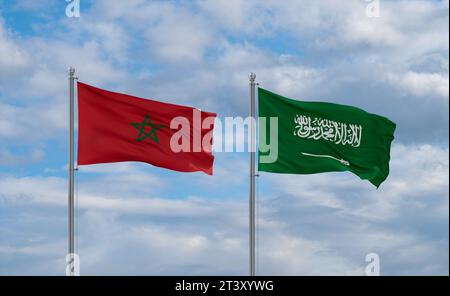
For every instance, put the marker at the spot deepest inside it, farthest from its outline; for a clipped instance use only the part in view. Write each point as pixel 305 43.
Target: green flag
pixel 316 137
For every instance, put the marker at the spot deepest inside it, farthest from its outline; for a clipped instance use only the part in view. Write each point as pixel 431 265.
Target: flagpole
pixel 252 78
pixel 71 207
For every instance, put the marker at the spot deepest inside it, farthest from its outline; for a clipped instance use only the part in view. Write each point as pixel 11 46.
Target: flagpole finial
pixel 252 76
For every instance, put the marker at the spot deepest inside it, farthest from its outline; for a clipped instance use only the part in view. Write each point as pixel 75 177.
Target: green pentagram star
pixel 140 126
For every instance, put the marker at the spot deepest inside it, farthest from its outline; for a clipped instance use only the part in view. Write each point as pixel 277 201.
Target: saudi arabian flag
pixel 316 137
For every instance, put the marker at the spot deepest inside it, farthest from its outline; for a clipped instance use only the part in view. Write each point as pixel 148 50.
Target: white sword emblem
pixel 343 161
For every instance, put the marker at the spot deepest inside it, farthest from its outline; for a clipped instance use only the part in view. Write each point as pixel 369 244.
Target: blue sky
pixel 136 219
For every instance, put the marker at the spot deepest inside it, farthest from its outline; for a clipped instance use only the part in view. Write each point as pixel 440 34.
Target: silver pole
pixel 252 78
pixel 71 171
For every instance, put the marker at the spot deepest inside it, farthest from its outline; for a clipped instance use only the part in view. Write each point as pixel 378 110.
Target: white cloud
pixel 320 224
pixel 346 24
pixel 53 59
pixel 173 33
pixel 416 172
pixel 133 221
pixel 8 158
pixel 36 6
pixel 40 95
pixel 179 38
pixel 237 16
pixel 120 199
pixel 421 84
pixel 12 58
pixel 19 123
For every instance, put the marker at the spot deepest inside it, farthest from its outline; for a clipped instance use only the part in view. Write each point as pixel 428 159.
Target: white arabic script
pixel 329 130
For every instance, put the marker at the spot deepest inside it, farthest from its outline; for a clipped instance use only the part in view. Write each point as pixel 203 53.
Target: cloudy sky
pixel 137 219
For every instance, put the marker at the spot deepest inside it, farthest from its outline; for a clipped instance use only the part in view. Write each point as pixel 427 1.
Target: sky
pixel 137 219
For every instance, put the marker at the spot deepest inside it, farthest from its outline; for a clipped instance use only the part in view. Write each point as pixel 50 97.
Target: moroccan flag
pixel 114 127
pixel 315 137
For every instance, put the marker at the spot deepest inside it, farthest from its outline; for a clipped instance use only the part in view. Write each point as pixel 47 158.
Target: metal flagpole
pixel 71 173
pixel 252 78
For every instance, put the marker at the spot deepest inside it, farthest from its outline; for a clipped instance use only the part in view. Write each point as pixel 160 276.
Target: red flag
pixel 114 127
